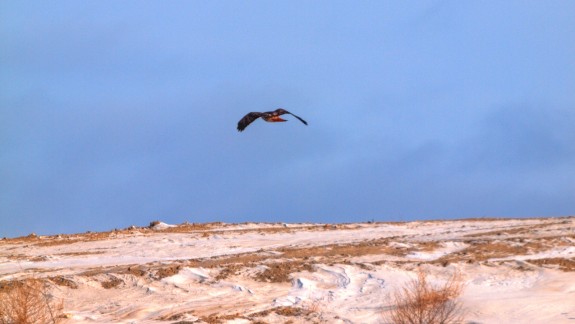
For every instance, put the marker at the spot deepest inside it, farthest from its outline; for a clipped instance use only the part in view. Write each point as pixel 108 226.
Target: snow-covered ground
pixel 513 270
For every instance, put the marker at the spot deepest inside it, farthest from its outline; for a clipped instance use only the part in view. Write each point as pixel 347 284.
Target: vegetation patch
pixel 421 302
pixel 65 282
pixel 29 301
pixel 112 282
pixel 167 271
pixel 287 311
pixel 218 319
pixel 563 264
pixel 281 271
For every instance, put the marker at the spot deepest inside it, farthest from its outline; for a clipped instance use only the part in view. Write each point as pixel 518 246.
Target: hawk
pixel 269 116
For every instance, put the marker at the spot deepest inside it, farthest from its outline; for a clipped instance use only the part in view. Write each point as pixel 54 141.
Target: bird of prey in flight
pixel 269 116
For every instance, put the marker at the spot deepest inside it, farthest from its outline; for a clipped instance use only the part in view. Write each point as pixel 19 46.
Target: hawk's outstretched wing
pixel 298 117
pixel 281 111
pixel 248 119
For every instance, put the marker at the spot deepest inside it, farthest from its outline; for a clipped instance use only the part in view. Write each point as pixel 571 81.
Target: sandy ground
pixel 513 270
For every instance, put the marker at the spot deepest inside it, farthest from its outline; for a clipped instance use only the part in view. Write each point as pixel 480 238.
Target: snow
pixel 161 226
pixel 447 248
pixel 214 271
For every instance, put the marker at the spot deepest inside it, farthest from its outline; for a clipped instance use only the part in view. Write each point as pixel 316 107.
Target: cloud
pixel 117 119
pixel 521 138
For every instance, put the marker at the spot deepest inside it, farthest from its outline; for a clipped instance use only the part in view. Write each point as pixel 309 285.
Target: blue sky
pixel 118 113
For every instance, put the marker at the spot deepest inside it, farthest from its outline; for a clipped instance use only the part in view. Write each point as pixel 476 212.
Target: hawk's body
pixel 269 116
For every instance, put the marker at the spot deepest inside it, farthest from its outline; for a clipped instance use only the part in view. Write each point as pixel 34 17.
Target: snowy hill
pixel 514 270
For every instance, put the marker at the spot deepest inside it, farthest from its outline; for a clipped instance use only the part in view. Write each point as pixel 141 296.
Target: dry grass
pixel 281 271
pixel 28 302
pixel 534 230
pixel 420 302
pixel 112 282
pixel 484 250
pixel 563 264
pixel 286 311
pixel 64 282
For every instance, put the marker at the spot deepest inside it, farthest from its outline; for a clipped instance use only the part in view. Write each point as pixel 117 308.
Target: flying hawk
pixel 269 116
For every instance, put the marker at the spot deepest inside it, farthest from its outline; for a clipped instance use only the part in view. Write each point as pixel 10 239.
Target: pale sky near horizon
pixel 118 113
